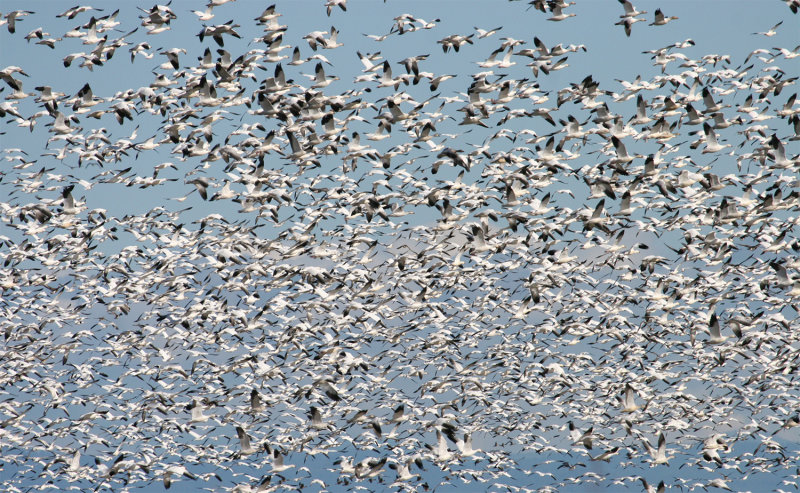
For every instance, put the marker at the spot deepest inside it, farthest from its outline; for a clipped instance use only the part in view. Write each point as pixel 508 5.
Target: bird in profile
pixel 771 31
pixel 607 455
pixel 278 465
pixel 370 468
pixel 580 438
pixel 256 406
pixel 197 413
pixel 331 4
pixel 658 455
pixel 648 488
pixel 630 10
pixel 244 442
pixel 660 19
pixel 628 400
pixel 316 419
pixel 714 333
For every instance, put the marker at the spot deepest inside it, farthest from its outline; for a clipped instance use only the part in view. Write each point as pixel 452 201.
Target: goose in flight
pixel 558 14
pixel 598 219
pixel 331 4
pixel 204 15
pixel 714 333
pixel 369 468
pixel 630 10
pixel 71 13
pixel 316 420
pixel 628 22
pixel 37 33
pixel 278 464
pixel 13 17
pixel 607 455
pixel 256 406
pixel 693 117
pixel 658 455
pixel 368 59
pixel 201 184
pixel 320 79
pixel 244 441
pixel 661 19
pixel 629 400
pixel 441 452
pixel 216 32
pixel 68 201
pixel 712 145
pixel 486 33
pixel 622 156
pixel 464 446
pixel 197 412
pixel 580 438
pixel 172 56
pixel 403 472
pixel 648 488
pixel 778 154
pixel 784 280
pixel 771 31
pixel 455 41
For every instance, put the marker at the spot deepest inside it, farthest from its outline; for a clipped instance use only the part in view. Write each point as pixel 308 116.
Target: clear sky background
pixel 533 451
pixel 611 54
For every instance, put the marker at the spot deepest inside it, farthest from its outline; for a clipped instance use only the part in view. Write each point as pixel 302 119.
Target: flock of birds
pixel 266 270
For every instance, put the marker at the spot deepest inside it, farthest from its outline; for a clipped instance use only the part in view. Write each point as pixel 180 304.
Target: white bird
pixel 441 452
pixel 465 447
pixel 244 441
pixel 369 468
pixel 12 18
pixel 172 56
pixel 661 19
pixel 256 406
pixel 403 472
pixel 772 31
pixel 486 33
pixel 778 154
pixel 628 22
pixel 559 15
pixel 71 13
pixel 715 335
pixel 661 488
pixel 598 219
pixel 712 145
pixel 658 455
pixel 204 15
pixel 330 4
pixel 316 420
pixel 629 400
pixel 630 10
pixel 278 465
pixel 320 79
